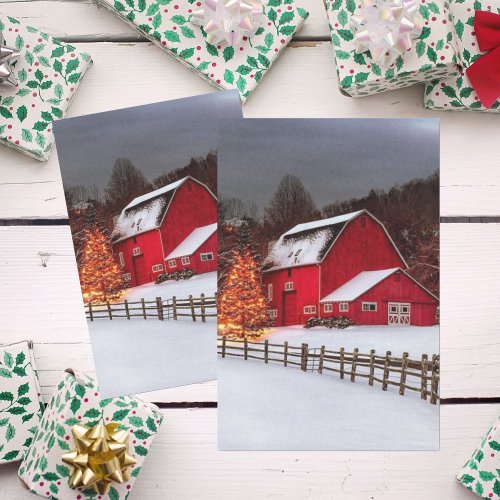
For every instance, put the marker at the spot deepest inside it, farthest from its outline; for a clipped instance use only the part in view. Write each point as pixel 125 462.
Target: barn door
pixel 140 270
pixel 289 308
pixel 399 313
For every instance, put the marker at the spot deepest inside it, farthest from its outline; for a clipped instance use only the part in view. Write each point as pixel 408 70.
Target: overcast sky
pixel 157 137
pixel 336 159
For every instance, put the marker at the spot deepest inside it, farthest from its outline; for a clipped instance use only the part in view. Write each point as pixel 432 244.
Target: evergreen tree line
pixel 409 211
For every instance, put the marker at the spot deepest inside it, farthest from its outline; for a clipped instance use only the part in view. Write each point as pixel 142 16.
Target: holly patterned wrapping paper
pixel 167 24
pixel 21 404
pixel 432 55
pixel 76 401
pixel 457 93
pixel 48 74
pixel 481 473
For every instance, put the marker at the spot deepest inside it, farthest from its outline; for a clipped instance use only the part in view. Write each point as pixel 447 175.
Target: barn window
pixel 289 273
pixel 309 309
pixel 133 224
pixel 343 307
pixel 328 307
pixel 185 261
pixel 273 313
pixel 270 291
pixel 288 286
pixel 136 251
pixel 139 223
pixel 157 268
pixel 207 256
pixel 127 277
pixel 369 306
pixel 121 259
pixel 290 254
pixel 172 263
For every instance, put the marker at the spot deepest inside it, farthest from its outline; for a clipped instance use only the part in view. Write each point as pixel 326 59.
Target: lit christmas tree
pixel 242 304
pixel 100 275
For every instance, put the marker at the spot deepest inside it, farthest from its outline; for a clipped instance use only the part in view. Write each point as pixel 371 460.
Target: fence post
pixel 174 307
pixel 321 356
pixel 110 313
pixel 303 357
pixel 266 351
pixel 386 370
pixel 245 348
pixel 127 312
pixel 285 354
pixel 423 380
pixel 353 366
pixel 90 311
pixel 202 307
pixel 341 356
pixel 143 308
pixel 372 367
pixel 404 366
pixel 191 305
pixel 435 379
pixel 159 307
pixel 224 346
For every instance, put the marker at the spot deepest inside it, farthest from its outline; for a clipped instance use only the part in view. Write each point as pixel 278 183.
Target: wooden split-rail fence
pixel 406 374
pixel 195 308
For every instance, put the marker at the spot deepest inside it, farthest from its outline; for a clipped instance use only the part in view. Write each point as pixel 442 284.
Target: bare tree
pixel 291 204
pixel 126 182
pixel 232 210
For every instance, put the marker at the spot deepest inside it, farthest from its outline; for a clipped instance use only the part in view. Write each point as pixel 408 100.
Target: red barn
pixel 346 265
pixel 166 230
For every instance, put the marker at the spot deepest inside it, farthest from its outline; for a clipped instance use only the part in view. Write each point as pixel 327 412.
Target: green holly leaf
pixel 431 54
pixel 19 371
pixel 141 450
pixel 351 6
pixel 187 53
pixel 10 456
pixel 466 92
pixel 269 40
pixel 287 17
pixel 449 91
pixel 7 357
pixel 60 431
pixel 361 77
pixel 229 76
pixel 16 410
pixel 143 435
pixel 203 66
pixel 74 77
pixel 342 54
pixel 302 12
pixel 136 421
pixel 467 479
pixel 136 472
pixel 63 444
pixel 496 488
pixel 4 422
pixel 479 456
pixel 59 51
pixel 187 32
pixel 6 114
pixel 113 494
pixel 495 445
pixel 343 18
pixel 212 49
pixel 157 21
pixel 424 12
pixel 24 401
pixel 228 53
pixel 50 476
pixel 345 35
pixel 75 403
pixel 243 69
pixel 72 65
pixel 426 32
pixel 459 29
pixel 120 414
pixel 92 413
pixel 46 116
pixel 6 396
pixel 172 36
pixel 264 60
pixel 274 3
pixel 346 82
pixel 486 475
pixel 272 15
pixel 62 470
pixel 40 140
pixel 179 19
pixel 28 442
pixel 287 30
pixel 358 58
pixel 10 433
pixel 27 417
pixel 479 488
pixel 241 84
pixel 46 85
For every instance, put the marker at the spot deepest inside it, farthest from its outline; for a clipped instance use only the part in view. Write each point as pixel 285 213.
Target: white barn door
pixel 399 313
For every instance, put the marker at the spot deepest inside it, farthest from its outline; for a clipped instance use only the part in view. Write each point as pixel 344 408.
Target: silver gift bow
pixel 386 28
pixel 7 56
pixel 229 20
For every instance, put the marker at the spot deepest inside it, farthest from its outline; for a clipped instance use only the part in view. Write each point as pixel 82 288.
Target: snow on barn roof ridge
pixel 194 241
pixel 308 226
pixel 155 193
pixel 359 285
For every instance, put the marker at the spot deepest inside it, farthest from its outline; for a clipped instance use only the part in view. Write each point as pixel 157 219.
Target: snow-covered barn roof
pixel 192 242
pixel 146 212
pixel 358 285
pixel 306 243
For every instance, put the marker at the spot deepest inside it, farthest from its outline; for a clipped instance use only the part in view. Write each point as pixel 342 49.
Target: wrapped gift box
pixel 241 67
pixel 48 73
pixel 432 56
pixel 456 93
pixel 481 473
pixel 76 401
pixel 21 403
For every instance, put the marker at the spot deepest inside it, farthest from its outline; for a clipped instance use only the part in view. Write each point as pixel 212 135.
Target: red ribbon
pixel 484 73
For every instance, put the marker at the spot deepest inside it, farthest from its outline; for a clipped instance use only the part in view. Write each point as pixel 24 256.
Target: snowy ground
pixel 271 407
pixel 138 356
pixel 415 340
pixel 202 283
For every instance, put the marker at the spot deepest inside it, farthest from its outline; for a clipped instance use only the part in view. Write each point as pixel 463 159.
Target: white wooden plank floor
pixel 43 303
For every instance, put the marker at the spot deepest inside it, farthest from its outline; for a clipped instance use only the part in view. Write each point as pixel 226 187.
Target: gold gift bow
pixel 100 458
